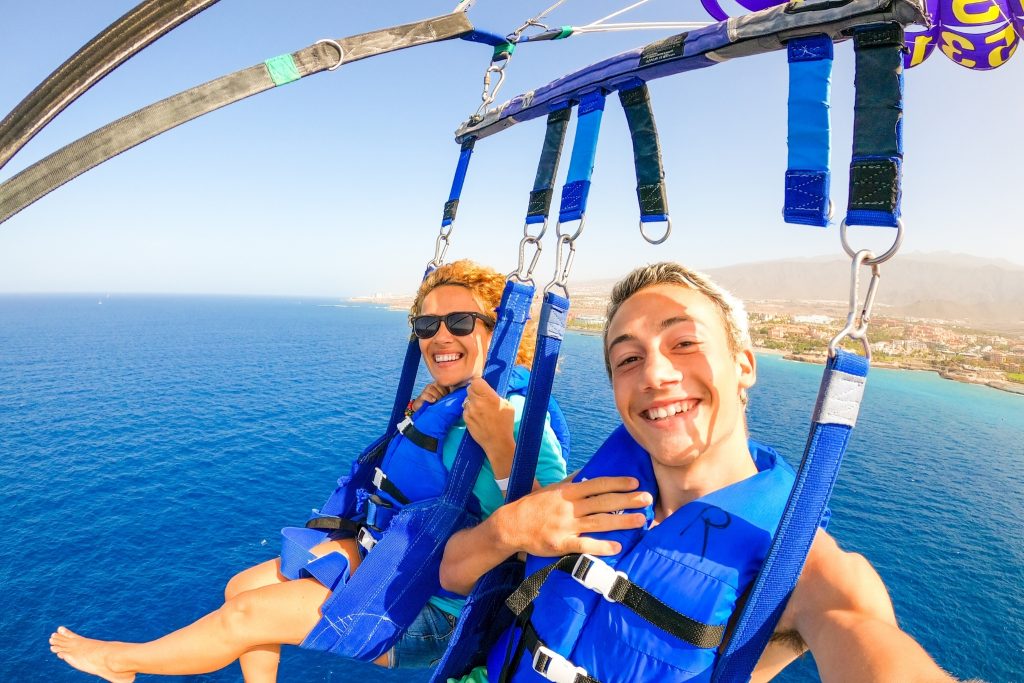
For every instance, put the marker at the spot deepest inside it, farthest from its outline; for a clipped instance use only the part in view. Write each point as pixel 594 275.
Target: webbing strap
pixel 547 166
pixel 553 316
pixel 408 429
pixel 839 399
pixel 584 150
pixel 120 41
pixel 330 523
pixel 650 173
pixel 407 379
pixel 548 663
pixel 807 170
pixel 513 312
pixel 451 206
pixel 78 157
pixel 625 592
pixel 877 127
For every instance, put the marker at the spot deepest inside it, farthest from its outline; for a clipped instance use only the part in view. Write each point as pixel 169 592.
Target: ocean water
pixel 152 447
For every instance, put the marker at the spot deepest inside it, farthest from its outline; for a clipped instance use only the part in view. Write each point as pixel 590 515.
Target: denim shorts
pixel 425 641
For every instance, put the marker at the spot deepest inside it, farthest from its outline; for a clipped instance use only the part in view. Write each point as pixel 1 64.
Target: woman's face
pixel 453 360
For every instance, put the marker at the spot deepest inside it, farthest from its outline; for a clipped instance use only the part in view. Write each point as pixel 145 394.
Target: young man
pixel 683 510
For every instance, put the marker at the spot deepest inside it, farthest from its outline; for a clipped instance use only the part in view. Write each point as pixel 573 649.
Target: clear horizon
pixel 333 186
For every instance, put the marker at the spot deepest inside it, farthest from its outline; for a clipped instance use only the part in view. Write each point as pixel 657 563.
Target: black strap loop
pixel 650 172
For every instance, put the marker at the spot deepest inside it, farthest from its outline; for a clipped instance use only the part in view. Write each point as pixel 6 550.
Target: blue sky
pixel 334 185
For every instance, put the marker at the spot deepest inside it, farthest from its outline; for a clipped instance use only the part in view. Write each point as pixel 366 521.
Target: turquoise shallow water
pixel 153 446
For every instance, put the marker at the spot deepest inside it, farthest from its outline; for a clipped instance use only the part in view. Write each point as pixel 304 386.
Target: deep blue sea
pixel 151 447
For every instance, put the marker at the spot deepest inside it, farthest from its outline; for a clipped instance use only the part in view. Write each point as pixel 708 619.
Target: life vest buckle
pixel 555 667
pixel 378 477
pixel 366 539
pixel 404 424
pixel 597 575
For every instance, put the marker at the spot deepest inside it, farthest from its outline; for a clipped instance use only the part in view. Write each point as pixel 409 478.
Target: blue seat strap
pixel 650 172
pixel 839 398
pixel 877 160
pixel 513 312
pixel 584 150
pixel 807 168
pixel 407 380
pixel 451 206
pixel 554 138
pixel 553 315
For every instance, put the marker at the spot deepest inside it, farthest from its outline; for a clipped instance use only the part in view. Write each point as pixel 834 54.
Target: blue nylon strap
pixel 553 315
pixel 584 150
pixel 484 616
pixel 452 205
pixel 513 312
pixel 830 433
pixel 877 161
pixel 807 169
pixel 407 380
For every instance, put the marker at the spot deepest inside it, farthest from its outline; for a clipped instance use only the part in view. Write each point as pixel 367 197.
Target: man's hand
pixel 490 420
pixel 549 522
pixel 431 393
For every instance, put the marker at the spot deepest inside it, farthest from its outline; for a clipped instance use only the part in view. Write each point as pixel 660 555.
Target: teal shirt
pixel 550 469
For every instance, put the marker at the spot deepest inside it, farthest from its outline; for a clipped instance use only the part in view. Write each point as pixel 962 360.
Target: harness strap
pixel 551 152
pixel 584 151
pixel 451 206
pixel 598 576
pixel 408 429
pixel 120 41
pixel 78 157
pixel 650 172
pixel 548 663
pixel 839 398
pixel 807 170
pixel 332 523
pixel 877 127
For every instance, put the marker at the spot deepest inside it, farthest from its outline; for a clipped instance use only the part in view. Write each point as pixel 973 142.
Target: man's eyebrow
pixel 665 324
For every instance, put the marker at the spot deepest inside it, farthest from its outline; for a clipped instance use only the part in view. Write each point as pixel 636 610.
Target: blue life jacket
pixel 658 610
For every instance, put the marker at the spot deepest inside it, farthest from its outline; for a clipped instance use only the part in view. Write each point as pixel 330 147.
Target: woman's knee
pixel 261 575
pixel 238 614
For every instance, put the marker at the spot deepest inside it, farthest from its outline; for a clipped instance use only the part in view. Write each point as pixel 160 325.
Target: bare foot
pixel 86 654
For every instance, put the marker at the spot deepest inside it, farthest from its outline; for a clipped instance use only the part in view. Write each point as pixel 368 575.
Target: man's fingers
pixel 613 502
pixel 592 524
pixel 599 485
pixel 592 546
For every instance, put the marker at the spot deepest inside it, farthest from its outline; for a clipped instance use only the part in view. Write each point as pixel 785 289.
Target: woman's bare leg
pixel 253 621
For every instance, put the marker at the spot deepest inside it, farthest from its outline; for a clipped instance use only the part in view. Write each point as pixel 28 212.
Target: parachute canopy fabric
pixel 977 34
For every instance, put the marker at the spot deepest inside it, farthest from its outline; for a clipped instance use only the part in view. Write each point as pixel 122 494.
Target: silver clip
pixel 858 317
pixel 558 669
pixel 598 577
pixel 366 539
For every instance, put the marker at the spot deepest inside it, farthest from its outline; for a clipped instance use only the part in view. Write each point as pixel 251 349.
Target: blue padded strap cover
pixel 877 127
pixel 838 402
pixel 452 205
pixel 584 150
pixel 807 169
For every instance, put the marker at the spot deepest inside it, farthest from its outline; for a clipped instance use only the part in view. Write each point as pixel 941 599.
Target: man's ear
pixel 746 368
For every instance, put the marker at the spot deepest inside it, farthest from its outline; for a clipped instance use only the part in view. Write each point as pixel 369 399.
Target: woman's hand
pixel 490 420
pixel 431 393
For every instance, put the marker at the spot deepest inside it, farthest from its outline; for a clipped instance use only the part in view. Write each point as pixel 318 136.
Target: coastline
pixel 1008 387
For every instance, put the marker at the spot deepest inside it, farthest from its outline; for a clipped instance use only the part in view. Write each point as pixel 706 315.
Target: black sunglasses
pixel 459 323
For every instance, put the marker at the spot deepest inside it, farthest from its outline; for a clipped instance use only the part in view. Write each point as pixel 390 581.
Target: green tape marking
pixel 503 51
pixel 566 32
pixel 282 69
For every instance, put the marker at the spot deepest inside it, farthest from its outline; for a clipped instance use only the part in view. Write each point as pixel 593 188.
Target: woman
pixel 452 316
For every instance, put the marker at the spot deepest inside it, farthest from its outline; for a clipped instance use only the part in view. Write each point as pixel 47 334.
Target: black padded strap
pixel 623 591
pixel 543 184
pixel 650 172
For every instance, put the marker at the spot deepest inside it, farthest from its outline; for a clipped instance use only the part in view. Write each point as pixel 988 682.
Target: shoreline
pixel 1004 386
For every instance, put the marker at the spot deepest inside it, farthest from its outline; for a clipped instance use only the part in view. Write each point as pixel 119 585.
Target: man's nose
pixel 660 370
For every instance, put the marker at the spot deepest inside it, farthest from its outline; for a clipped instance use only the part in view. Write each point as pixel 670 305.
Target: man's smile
pixel 664 411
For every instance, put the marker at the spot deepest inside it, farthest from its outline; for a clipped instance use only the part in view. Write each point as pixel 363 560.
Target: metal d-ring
pixel 337 46
pixel 668 231
pixel 852 253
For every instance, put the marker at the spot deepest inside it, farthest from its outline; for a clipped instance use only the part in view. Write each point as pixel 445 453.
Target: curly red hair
pixel 486 285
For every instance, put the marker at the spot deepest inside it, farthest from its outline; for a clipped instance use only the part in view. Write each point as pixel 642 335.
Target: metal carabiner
pixel 518 273
pixel 440 248
pixel 562 271
pixel 858 316
pixel 489 95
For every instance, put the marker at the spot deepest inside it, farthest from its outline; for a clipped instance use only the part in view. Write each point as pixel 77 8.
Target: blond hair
pixel 486 285
pixel 731 309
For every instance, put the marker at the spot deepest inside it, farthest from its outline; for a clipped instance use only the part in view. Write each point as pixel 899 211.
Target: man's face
pixel 677 385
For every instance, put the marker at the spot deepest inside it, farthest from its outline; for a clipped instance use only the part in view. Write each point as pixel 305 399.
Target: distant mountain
pixel 980 291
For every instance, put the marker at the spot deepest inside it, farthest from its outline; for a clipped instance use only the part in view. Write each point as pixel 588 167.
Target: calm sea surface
pixel 152 447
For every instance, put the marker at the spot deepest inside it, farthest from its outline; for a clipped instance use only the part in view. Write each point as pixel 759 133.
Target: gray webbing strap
pixel 85 153
pixel 101 55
